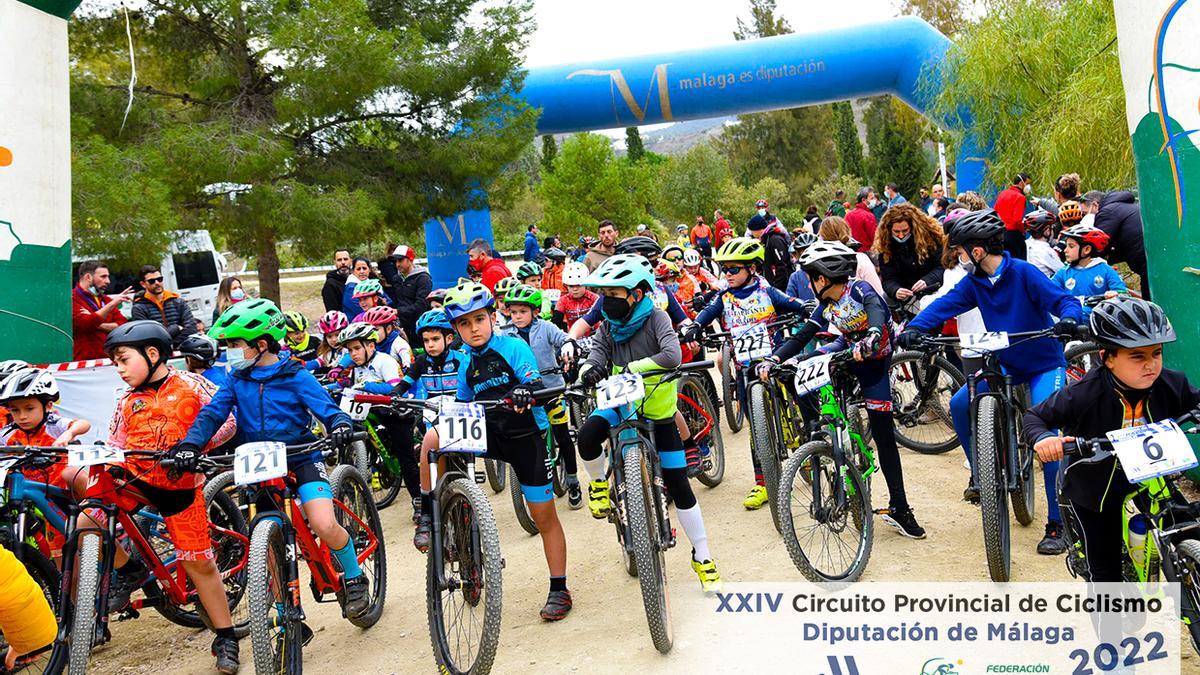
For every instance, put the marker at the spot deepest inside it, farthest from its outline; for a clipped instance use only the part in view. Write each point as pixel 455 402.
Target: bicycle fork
pixel 70 560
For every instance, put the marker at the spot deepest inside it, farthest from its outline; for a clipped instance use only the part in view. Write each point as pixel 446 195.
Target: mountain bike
pixel 464 567
pixel 280 537
pixel 922 384
pixel 639 510
pixel 88 554
pixel 1003 466
pixel 1169 549
pixel 555 412
pixel 700 412
pixel 824 493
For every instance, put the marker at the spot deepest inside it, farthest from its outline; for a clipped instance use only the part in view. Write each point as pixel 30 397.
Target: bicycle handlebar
pixel 1100 448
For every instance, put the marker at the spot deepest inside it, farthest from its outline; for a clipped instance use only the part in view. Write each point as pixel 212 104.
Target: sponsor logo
pixel 941 666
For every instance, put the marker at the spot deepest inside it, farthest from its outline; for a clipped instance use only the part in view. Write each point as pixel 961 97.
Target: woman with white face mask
pixel 909 244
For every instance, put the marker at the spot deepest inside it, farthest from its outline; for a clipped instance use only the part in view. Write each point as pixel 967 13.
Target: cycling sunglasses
pixel 155 280
pixel 732 270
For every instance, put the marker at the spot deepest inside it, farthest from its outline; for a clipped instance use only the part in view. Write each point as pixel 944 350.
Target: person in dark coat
pixel 412 286
pixel 1121 219
pixel 909 243
pixel 335 281
pixel 165 307
pixel 777 255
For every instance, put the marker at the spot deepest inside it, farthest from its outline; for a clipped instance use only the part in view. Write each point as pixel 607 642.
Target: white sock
pixel 693 525
pixel 595 467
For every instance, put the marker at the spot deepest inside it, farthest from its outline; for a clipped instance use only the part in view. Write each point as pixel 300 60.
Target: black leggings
pixel 1014 243
pixel 594 433
pixel 566 447
pixel 400 444
pixel 1103 541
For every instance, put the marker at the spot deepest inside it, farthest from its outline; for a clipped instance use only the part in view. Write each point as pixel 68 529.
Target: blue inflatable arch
pixel 785 71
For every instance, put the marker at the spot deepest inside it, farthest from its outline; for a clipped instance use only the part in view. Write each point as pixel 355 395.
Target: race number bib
pixel 357 410
pixel 974 345
pixel 620 390
pixel 461 427
pixel 259 461
pixel 1153 450
pixel 552 294
pixel 91 455
pixel 751 343
pixel 813 374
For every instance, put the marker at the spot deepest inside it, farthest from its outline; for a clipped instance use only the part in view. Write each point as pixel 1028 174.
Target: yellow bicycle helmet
pixel 740 250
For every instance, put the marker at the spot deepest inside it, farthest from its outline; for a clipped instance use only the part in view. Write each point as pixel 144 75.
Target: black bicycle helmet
pixel 1126 321
pixel 983 225
pixel 639 245
pixel 139 335
pixel 556 254
pixel 200 347
pixel 830 259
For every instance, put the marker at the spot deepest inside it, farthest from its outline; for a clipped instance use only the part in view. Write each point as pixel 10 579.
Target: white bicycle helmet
pixel 30 383
pixel 830 259
pixel 691 257
pixel 359 330
pixel 574 274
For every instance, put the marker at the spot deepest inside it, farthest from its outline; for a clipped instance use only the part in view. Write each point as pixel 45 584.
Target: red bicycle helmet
pixel 380 316
pixel 1088 234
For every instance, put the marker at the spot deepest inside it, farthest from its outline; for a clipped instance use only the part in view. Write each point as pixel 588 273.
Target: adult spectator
pixel 925 199
pixel 1010 206
pixel 861 220
pixel 894 198
pixel 166 307
pixel 934 192
pixel 604 250
pixel 491 268
pixel 877 206
pixel 722 230
pixel 94 314
pixel 812 220
pixel 532 250
pixel 971 201
pixel 360 270
pixel 701 237
pixel 909 243
pixel 230 292
pixel 941 206
pixel 777 254
pixel 412 285
pixel 837 207
pixel 1117 213
pixel 550 242
pixel 762 208
pixel 335 281
pixel 1066 188
pixel 834 228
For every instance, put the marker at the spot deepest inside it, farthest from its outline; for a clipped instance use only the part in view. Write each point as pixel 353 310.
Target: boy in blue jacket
pixel 1013 296
pixel 1086 273
pixel 275 400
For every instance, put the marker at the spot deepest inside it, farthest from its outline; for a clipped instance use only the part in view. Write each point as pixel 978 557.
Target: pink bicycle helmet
pixel 332 322
pixel 380 316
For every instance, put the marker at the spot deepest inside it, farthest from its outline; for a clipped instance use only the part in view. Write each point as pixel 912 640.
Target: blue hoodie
pixel 1021 299
pixel 274 403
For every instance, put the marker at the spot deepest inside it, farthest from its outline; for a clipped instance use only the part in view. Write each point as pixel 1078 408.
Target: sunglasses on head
pixel 155 280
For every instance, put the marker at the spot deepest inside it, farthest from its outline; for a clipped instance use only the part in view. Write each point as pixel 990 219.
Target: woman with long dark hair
pixel 909 243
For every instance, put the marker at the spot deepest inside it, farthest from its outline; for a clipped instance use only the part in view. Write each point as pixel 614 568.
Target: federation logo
pixel 940 666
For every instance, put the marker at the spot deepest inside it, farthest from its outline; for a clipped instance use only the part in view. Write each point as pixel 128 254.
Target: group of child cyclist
pixel 643 310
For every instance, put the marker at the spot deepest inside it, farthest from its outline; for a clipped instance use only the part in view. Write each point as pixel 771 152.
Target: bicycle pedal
pixel 127 614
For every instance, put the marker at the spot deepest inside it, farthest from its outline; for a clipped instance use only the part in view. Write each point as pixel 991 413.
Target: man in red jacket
pixel 722 230
pixel 1010 206
pixel 861 221
pixel 94 314
pixel 492 269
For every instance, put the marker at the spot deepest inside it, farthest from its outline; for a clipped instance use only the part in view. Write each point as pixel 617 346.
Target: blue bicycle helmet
pixel 433 319
pixel 466 298
pixel 624 270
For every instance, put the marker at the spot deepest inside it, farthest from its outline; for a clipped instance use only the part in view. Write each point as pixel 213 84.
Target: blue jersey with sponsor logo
pixel 491 371
pixel 430 376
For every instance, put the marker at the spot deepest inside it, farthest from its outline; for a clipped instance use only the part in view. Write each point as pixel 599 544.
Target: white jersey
pixel 381 368
pixel 1042 256
pixel 402 352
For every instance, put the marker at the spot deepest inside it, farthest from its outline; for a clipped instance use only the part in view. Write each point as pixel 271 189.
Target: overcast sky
pixel 570 30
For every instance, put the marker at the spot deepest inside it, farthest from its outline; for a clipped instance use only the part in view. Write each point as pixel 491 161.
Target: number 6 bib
pixel 1152 450
pixel 461 427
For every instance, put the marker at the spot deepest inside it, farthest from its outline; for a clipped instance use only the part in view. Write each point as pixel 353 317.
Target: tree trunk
pixel 268 264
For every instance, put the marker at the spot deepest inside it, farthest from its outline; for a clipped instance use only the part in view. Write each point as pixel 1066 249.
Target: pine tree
pixel 549 152
pixel 634 149
pixel 849 148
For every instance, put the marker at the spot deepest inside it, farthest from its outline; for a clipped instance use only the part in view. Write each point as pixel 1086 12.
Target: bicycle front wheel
pixel 921 402
pixel 648 548
pixel 84 616
pixel 1081 358
pixel 518 500
pixel 464 613
pixel 993 487
pixel 827 540
pixel 766 443
pixel 356 513
pixel 1186 570
pixel 275 633
pixel 735 416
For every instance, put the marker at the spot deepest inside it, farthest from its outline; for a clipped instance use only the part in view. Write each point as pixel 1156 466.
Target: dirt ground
pixel 606 632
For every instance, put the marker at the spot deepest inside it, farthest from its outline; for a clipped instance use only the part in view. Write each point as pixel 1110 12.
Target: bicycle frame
pixel 1015 469
pixel 460 464
pixel 25 494
pixel 637 435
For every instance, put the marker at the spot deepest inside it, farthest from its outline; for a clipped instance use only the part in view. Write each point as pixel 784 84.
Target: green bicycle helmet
pixel 250 320
pixel 529 269
pixel 466 298
pixel 740 250
pixel 295 322
pixel 624 270
pixel 505 285
pixel 367 287
pixel 523 294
